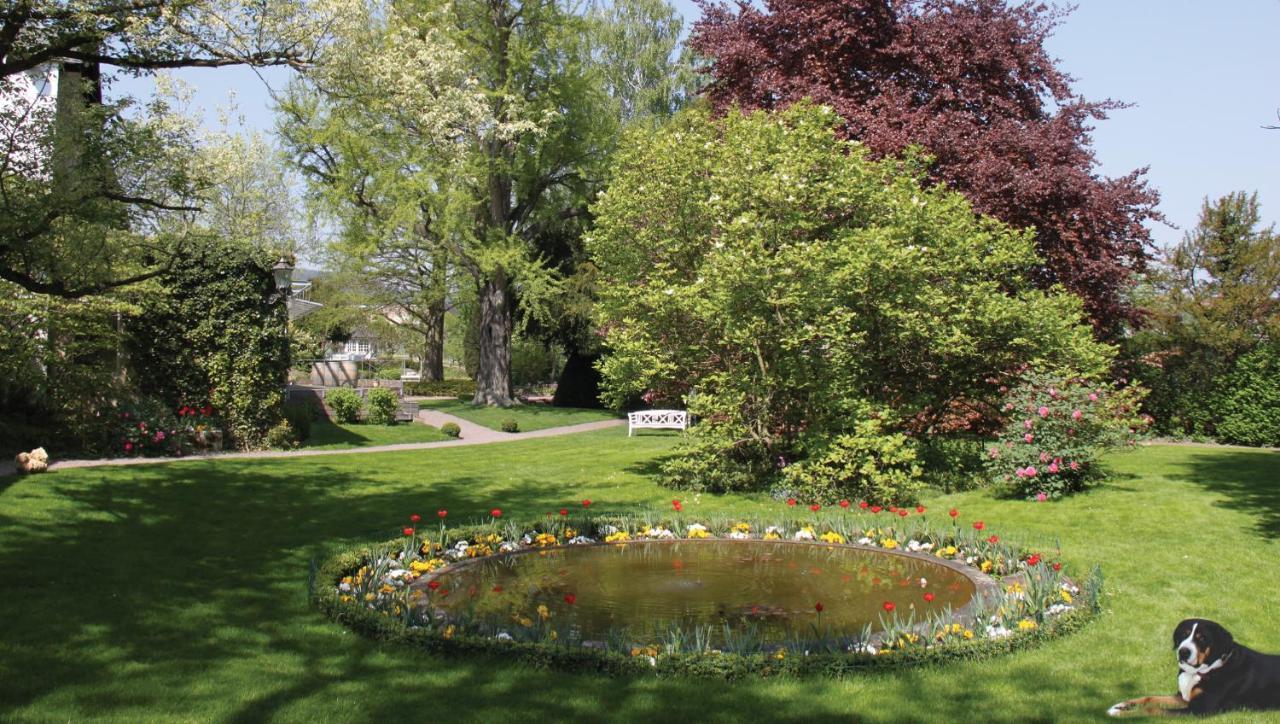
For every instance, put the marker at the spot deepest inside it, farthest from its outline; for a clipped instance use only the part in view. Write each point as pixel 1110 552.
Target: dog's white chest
pixel 1186 681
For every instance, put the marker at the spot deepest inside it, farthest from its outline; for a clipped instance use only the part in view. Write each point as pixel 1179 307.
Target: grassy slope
pixel 530 416
pixel 178 591
pixel 326 435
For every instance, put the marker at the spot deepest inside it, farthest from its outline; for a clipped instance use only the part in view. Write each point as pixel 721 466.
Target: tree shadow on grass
pixel 1248 480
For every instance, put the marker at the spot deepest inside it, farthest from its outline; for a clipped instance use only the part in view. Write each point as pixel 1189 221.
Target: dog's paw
pixel 1121 709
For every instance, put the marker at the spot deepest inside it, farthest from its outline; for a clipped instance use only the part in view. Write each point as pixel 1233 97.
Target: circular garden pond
pixel 777 590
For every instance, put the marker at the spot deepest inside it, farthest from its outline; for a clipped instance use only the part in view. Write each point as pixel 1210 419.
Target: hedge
pixel 441 388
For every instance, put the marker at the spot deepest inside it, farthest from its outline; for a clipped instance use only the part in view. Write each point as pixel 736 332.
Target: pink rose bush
pixel 1056 429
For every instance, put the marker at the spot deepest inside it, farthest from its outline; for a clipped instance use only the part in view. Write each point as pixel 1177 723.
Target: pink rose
pixel 1027 424
pixel 1044 411
pixel 1028 437
pixel 1031 471
pixel 1053 393
pixel 1093 397
pixel 1041 497
pixel 1076 415
pixel 1053 467
pixel 1044 457
pixel 994 452
pixel 1075 465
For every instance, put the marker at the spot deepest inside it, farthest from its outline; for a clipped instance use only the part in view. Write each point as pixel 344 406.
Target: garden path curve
pixel 472 434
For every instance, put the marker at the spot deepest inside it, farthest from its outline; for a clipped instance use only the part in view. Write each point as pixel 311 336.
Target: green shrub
pixel 300 414
pixel 1248 399
pixel 1056 430
pixel 708 459
pixel 441 388
pixel 345 404
pixel 869 465
pixel 804 281
pixel 451 429
pixel 510 425
pixel 282 436
pixel 381 405
pixel 953 462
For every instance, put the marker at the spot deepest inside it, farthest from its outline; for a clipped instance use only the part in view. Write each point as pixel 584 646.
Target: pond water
pixel 769 587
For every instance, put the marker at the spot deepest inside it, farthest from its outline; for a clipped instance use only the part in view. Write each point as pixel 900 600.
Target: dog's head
pixel 1200 642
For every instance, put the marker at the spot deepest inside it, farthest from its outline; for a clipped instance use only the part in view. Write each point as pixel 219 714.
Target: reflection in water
pixel 771 587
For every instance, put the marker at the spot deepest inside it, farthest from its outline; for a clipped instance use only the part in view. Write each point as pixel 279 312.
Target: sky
pixel 1202 78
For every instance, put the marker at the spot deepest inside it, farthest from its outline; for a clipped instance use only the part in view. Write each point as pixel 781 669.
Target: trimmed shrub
pixel 451 429
pixel 441 388
pixel 381 405
pixel 711 459
pixel 300 415
pixel 1248 399
pixel 953 462
pixel 1056 430
pixel 345 404
pixel 282 436
pixel 868 465
pixel 510 425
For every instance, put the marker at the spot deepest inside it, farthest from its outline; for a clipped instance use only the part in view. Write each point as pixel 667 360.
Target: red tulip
pixel 433 585
pixel 864 504
pixel 791 501
pixel 586 503
pixel 564 511
pixel 979 525
pixel 815 507
pixel 844 504
pixel 570 599
pixel 496 512
pixel 920 509
pixel 676 504
pixel 888 606
pixel 928 598
pixel 893 508
pixel 441 513
pixel 818 607
pixel 953 512
pixel 994 539
pixel 408 531
pixel 1034 559
pixel 415 518
pixel 1057 566
pixel 902 512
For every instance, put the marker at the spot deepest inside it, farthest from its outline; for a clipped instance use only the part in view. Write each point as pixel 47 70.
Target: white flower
pixel 862 649
pixel 998 632
pixel 739 535
pixel 609 529
pixel 803 534
pixel 1057 609
pixel 865 540
pixel 697 527
pixel 581 540
pixel 660 532
pixel 775 530
pixel 344 587
pixel 508 546
pixel 504 636
pixel 924 583
pixel 528 539
pixel 461 546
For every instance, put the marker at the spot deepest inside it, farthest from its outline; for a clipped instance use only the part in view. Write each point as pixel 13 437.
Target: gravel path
pixel 472 434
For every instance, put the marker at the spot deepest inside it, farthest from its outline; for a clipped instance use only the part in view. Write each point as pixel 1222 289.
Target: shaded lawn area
pixel 178 591
pixel 328 435
pixel 529 416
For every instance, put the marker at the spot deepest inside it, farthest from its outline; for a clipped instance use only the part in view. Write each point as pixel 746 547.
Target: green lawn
pixel 326 435
pixel 531 416
pixel 178 591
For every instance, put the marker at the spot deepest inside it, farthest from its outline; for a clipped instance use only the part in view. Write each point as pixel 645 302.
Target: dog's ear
pixel 1221 640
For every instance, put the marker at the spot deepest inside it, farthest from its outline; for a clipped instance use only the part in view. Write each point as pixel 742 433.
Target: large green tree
pixel 1215 297
pixel 465 139
pixel 784 285
pixel 85 182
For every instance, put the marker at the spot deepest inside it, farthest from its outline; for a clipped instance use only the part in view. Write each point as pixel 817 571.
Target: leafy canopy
pixel 786 284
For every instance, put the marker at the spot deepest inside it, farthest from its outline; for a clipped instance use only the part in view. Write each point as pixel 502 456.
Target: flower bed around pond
pixel 429 589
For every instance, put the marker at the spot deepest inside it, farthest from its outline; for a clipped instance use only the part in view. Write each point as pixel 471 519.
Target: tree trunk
pixel 433 350
pixel 493 378
pixel 579 384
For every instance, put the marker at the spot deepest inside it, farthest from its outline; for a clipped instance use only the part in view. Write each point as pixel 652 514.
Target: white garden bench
pixel 654 419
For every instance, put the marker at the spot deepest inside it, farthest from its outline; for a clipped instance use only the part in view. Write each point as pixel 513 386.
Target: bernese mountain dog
pixel 1215 674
